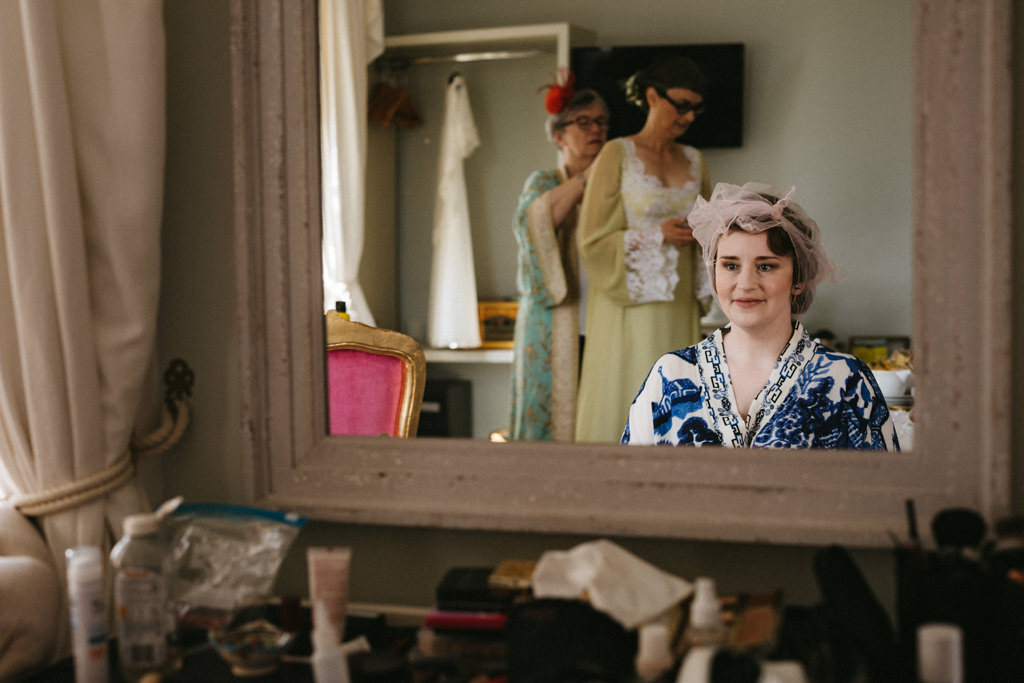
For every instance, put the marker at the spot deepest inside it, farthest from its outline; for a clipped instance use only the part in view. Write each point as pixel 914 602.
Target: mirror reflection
pixel 816 116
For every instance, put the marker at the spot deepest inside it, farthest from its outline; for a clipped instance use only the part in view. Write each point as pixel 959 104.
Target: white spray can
pixel 87 595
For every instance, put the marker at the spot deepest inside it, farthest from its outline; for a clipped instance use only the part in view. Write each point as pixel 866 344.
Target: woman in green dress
pixel 646 293
pixel 545 369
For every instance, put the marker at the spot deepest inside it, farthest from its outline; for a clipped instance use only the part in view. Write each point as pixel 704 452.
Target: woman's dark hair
pixel 579 101
pixel 781 245
pixel 663 75
pixel 779 241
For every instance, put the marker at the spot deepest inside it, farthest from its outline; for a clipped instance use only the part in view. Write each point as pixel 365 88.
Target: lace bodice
pixel 651 265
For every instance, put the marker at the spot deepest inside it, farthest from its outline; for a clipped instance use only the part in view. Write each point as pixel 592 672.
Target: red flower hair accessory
pixel 560 91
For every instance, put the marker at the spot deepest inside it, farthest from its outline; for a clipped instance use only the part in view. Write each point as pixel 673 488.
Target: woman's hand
pixel 677 231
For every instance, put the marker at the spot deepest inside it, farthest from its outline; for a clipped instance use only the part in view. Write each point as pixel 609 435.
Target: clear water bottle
pixel 143 620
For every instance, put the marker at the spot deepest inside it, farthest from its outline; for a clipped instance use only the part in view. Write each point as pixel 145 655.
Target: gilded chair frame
pixel 348 334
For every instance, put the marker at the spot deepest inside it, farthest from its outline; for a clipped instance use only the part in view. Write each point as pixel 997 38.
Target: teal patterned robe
pixel 545 368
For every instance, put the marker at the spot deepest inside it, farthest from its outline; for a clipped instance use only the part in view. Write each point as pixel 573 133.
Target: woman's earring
pixel 797 289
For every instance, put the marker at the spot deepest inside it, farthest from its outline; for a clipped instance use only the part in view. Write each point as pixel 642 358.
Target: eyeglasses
pixel 586 123
pixel 682 108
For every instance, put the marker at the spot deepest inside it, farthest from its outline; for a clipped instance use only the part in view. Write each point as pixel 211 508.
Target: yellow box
pixel 498 323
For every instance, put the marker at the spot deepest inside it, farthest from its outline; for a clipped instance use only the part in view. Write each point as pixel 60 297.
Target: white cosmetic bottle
pixel 654 652
pixel 87 595
pixel 706 627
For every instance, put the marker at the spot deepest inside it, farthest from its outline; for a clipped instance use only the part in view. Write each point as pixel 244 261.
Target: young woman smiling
pixel 761 381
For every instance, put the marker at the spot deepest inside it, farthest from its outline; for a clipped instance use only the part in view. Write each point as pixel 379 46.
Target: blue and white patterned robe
pixel 814 398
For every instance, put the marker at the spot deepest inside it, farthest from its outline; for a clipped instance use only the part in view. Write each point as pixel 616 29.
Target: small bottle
pixel 654 652
pixel 706 626
pixel 143 621
pixel 342 310
pixel 329 661
pixel 87 597
pixel 940 653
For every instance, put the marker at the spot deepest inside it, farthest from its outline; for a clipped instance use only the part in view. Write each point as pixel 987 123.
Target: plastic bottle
pixel 143 620
pixel 654 652
pixel 706 626
pixel 940 653
pixel 87 595
pixel 330 663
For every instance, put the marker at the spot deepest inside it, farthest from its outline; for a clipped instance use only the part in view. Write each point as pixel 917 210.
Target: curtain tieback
pixel 70 495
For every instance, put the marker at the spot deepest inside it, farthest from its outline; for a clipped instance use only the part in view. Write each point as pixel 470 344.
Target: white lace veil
pixel 756 207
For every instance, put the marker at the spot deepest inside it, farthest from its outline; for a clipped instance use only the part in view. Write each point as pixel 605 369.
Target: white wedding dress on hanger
pixel 453 320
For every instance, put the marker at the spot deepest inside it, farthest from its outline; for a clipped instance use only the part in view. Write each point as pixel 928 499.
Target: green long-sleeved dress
pixel 644 297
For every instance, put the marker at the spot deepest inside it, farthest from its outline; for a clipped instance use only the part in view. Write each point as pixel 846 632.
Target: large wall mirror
pixel 816 115
pixel 961 96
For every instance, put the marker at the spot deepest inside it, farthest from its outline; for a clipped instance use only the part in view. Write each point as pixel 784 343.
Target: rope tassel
pixel 175 418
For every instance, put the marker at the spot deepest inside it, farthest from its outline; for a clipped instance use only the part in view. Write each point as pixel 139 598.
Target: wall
pixel 399 565
pixel 197 307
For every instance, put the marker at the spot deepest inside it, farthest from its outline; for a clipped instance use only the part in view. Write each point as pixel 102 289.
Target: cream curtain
pixel 81 182
pixel 351 36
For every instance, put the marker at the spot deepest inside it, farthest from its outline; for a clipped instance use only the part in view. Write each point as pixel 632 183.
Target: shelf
pixel 555 38
pixel 478 356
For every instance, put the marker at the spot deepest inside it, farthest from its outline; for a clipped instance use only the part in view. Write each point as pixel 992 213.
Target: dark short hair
pixel 780 245
pixel 673 72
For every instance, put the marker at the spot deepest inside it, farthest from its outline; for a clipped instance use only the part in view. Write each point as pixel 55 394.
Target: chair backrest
pixel 375 379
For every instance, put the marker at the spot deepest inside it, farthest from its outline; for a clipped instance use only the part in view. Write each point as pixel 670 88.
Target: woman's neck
pixel 654 137
pixel 757 345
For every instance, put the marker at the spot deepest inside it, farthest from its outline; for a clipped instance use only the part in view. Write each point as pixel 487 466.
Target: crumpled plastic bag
pixel 224 557
pixel 613 580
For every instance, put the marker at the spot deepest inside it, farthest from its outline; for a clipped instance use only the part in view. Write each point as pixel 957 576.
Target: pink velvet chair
pixel 375 379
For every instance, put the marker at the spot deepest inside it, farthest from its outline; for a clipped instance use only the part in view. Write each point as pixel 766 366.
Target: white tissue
pixel 613 580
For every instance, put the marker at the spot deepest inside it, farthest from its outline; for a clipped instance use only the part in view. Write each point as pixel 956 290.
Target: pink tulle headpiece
pixel 756 207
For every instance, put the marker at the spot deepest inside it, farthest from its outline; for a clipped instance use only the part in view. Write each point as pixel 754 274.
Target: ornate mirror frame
pixel 962 98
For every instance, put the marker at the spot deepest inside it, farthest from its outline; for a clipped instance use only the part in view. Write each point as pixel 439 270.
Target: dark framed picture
pixel 606 69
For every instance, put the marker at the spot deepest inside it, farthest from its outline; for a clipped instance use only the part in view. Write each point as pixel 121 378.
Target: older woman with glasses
pixel 646 292
pixel 548 324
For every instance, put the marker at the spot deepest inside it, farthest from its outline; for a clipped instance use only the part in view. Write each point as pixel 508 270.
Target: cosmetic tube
pixel 329 660
pixel 87 595
pixel 328 570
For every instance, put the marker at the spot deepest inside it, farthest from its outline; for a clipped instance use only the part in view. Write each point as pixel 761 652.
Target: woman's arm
pixel 602 226
pixel 564 197
pixel 639 429
pixel 541 260
pixel 705 179
pixel 873 427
